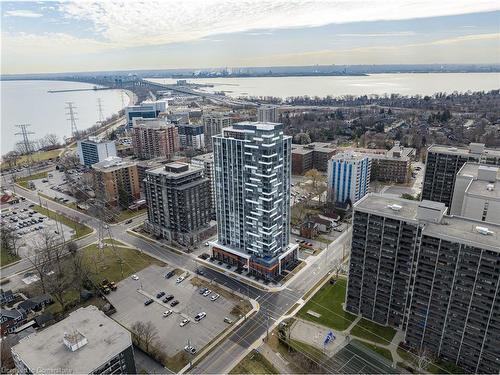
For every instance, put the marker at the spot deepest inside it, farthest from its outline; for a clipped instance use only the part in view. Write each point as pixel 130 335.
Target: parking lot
pixel 30 226
pixel 131 294
pixel 55 186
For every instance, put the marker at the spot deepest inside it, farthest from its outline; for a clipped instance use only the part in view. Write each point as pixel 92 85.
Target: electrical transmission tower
pixel 99 110
pixel 27 144
pixel 72 119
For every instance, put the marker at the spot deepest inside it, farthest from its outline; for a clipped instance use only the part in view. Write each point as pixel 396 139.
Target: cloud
pixel 133 23
pixel 22 13
pixel 442 51
pixel 378 35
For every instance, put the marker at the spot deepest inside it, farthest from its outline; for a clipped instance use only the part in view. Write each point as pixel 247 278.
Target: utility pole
pixel 72 119
pixel 27 144
pixel 99 110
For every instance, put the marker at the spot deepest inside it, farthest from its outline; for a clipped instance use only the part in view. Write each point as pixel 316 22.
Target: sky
pixel 50 37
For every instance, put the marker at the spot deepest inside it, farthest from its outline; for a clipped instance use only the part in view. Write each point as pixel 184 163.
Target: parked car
pixel 174 303
pixel 135 277
pixel 203 290
pixel 200 316
pixel 168 275
pixel 149 301
pixel 167 313
pixel 129 221
pixel 180 279
pixel 207 293
pixel 168 298
pixel 190 349
pixel 184 322
pixel 199 272
pixel 160 294
pixel 215 297
pixel 228 320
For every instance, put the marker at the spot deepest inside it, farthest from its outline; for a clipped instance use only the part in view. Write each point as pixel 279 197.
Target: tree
pixel 145 334
pixel 9 240
pixel 318 183
pixel 11 158
pixel 302 138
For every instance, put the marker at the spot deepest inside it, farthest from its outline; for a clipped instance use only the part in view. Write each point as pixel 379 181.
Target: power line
pixel 72 119
pixel 99 110
pixel 27 144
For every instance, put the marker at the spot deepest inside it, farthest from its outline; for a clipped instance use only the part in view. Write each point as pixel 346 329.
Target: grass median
pixel 7 258
pixel 23 181
pixel 254 363
pixel 80 229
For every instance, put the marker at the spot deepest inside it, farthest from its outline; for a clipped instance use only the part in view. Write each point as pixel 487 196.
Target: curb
pixel 204 352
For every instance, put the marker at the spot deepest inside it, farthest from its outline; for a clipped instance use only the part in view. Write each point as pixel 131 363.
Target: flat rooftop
pixel 379 204
pixel 174 170
pixel 255 125
pixel 452 150
pixel 463 230
pixel 452 228
pixel 45 349
pixel 481 187
pixel 112 163
pixel 205 157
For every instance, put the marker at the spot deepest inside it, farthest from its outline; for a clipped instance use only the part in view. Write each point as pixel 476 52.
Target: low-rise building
pixel 311 156
pixel 10 320
pixel 93 150
pixel 477 193
pixel 116 182
pixel 86 342
pixel 147 109
pixel 154 138
pixel 178 199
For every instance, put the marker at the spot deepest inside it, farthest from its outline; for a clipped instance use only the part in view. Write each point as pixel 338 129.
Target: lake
pixel 398 83
pixel 28 102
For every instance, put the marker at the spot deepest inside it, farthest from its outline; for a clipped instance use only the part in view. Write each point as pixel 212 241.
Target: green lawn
pixel 37 157
pixel 80 229
pixel 444 367
pixel 374 332
pixel 106 264
pixel 382 351
pixel 254 363
pixel 328 302
pixel 23 181
pixel 7 258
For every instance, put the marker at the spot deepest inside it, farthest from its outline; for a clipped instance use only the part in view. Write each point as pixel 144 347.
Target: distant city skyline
pixel 49 37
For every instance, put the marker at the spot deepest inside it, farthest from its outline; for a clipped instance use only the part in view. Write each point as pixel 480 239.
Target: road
pixel 273 305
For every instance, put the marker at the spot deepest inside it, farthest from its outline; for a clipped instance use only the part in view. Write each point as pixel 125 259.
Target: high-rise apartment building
pixel 154 138
pixel 252 188
pixel 443 164
pixel 93 150
pixel 206 161
pixel 191 136
pixel 213 124
pixel 434 276
pixel 267 113
pixel 348 178
pixel 116 182
pixel 178 198
pixel 86 342
pixel 477 192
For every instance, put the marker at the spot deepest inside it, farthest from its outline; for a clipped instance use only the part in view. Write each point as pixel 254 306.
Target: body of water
pixel 28 102
pixel 398 83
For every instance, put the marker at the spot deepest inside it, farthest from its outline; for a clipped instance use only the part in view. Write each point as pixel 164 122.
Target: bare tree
pixel 7 362
pixel 9 240
pixel 145 333
pixel 52 140
pixel 318 183
pixel 11 158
